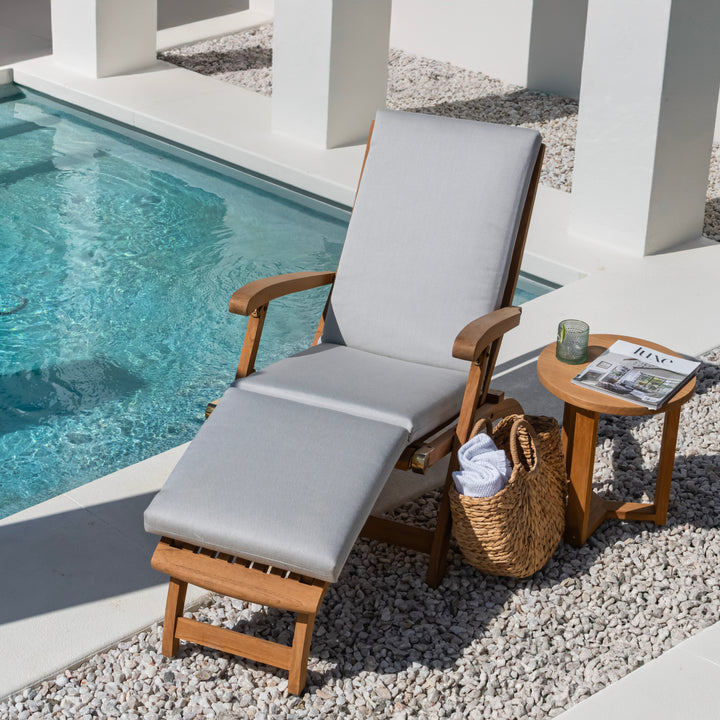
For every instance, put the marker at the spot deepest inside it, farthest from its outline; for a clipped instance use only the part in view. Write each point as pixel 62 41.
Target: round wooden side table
pixel 586 510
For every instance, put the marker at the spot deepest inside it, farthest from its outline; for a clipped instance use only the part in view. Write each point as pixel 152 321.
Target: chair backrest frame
pixel 514 270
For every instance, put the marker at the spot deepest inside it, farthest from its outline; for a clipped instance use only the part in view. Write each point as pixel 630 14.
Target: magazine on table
pixel 637 374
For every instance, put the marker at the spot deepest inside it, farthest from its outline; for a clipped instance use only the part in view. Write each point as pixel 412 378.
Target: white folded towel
pixel 484 470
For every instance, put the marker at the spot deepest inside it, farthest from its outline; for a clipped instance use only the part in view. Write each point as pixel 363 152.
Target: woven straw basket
pixel 515 532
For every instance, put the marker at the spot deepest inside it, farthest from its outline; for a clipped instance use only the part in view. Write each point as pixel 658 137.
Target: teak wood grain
pixel 556 376
pixel 481 333
pixel 228 578
pixel 586 510
pixel 239 578
pixel 260 292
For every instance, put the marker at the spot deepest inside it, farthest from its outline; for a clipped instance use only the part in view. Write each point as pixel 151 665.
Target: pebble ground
pixel 386 645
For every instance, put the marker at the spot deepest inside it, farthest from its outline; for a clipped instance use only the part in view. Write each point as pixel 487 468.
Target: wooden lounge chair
pixel 270 496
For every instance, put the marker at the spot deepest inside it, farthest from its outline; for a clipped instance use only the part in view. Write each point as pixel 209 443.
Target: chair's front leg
pixel 251 343
pixel 470 401
pixel 174 608
pixel 443 527
pixel 297 674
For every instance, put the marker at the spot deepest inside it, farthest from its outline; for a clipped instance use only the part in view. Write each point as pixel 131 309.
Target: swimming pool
pixel 118 261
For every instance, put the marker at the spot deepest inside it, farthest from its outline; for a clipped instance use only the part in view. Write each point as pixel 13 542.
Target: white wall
pixel 533 43
pixel 492 36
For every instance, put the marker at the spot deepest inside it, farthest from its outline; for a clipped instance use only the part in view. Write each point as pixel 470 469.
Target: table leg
pixel 580 428
pixel 666 463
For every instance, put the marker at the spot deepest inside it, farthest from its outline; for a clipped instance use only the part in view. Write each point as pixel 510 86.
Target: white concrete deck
pixel 76 568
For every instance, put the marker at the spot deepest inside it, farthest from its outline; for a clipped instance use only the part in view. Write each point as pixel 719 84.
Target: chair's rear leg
pixel 440 540
pixel 173 609
pixel 300 651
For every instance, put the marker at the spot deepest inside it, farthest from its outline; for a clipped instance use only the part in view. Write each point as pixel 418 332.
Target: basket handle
pixel 482 425
pixel 519 427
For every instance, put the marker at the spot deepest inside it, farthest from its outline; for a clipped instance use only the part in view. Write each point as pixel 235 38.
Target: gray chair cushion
pixel 278 482
pixel 413 396
pixel 405 485
pixel 431 235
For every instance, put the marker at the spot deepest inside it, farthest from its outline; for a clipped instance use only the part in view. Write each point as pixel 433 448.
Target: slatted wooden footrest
pixel 242 579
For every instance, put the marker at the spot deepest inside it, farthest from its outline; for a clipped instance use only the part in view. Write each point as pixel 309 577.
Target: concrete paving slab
pixel 705 645
pixel 120 499
pixel 77 573
pixel 679 684
pixel 202 113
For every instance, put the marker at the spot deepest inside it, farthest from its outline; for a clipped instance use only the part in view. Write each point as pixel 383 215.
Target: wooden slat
pixel 395 533
pixel 230 641
pixel 182 545
pixel 237 580
pixel 210 407
pixel 632 511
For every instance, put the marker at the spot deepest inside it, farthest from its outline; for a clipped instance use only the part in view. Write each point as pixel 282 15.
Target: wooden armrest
pixel 480 333
pixel 260 292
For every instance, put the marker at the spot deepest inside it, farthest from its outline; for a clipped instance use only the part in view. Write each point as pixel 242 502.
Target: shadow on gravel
pixel 711 223
pixel 219 61
pixel 514 108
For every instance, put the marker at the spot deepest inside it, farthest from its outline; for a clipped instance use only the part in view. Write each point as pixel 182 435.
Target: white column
pixel 555 53
pixel 647 111
pixel 100 38
pixel 329 68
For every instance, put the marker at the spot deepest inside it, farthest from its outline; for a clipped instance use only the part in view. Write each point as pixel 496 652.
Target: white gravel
pixel 386 645
pixel 425 85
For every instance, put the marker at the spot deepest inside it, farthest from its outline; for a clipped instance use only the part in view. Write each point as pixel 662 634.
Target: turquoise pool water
pixel 118 261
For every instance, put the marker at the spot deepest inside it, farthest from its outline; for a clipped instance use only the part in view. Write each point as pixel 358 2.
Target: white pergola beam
pixel 329 69
pixel 647 111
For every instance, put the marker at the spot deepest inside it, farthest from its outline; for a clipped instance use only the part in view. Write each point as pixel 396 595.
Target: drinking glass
pixel 572 341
